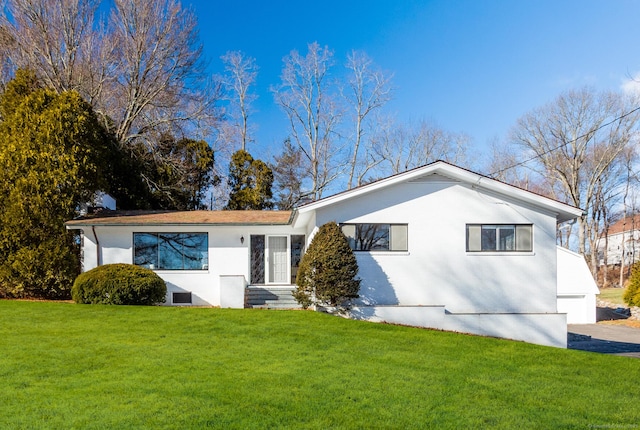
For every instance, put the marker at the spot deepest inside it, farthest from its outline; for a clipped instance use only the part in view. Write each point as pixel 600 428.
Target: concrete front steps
pixel 270 297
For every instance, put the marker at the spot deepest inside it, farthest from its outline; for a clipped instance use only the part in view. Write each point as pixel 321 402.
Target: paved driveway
pixel 603 338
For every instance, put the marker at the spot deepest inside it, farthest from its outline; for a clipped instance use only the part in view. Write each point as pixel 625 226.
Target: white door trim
pixel 283 275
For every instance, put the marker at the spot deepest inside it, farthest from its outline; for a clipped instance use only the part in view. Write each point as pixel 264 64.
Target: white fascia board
pixel 564 211
pixel 369 188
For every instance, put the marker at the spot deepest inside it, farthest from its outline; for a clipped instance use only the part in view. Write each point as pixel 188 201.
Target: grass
pixel 613 295
pixel 90 366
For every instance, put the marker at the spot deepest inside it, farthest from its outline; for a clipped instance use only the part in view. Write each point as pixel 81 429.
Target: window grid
pixel 499 237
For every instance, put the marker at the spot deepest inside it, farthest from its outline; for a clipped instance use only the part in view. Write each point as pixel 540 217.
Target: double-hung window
pixel 376 237
pixel 499 237
pixel 171 251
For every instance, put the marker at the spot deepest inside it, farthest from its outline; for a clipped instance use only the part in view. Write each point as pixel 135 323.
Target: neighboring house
pixel 437 246
pixel 622 239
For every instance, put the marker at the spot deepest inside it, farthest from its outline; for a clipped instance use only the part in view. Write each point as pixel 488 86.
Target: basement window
pixel 181 298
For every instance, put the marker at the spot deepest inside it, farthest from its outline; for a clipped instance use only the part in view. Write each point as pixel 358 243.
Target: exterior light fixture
pixel 241 239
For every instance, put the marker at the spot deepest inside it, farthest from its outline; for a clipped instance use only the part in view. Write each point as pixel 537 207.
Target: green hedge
pixel 119 284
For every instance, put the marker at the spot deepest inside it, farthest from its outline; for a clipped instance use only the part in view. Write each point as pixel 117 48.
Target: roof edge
pixel 458 173
pixel 183 218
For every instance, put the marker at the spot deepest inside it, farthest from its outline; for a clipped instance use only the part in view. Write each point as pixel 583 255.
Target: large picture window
pixel 376 237
pixel 499 237
pixel 171 251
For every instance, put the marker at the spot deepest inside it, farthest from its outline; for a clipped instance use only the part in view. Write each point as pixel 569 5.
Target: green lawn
pixel 66 366
pixel 613 295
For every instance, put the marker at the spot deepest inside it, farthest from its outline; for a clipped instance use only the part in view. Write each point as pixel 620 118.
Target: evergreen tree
pixel 632 295
pixel 178 172
pixel 289 172
pixel 53 153
pixel 327 272
pixel 250 181
pixel 125 179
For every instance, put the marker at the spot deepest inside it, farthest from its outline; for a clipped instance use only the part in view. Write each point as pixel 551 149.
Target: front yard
pixel 87 366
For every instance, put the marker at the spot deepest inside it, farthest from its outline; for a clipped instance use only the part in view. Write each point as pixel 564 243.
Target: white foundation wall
pixel 228 248
pixel 437 270
pixel 541 329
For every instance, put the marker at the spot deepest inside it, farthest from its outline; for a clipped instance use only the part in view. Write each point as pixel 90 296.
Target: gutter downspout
pixel 93 228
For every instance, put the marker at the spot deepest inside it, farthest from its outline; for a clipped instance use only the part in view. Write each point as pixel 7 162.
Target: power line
pixel 548 151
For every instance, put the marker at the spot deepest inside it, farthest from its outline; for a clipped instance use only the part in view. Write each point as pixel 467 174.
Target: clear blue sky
pixel 471 66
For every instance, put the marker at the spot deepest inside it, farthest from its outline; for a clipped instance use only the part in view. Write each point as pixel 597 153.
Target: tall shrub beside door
pixel 328 270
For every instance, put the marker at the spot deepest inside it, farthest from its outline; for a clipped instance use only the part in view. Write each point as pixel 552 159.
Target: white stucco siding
pixel 116 245
pixel 89 250
pixel 203 286
pixel 577 289
pixel 105 245
pixel 437 269
pixel 228 255
pixel 580 309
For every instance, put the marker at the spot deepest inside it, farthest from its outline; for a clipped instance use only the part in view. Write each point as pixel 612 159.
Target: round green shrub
pixel 119 284
pixel 632 295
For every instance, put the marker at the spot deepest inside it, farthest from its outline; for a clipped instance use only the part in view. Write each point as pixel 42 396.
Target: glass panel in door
pixel 278 260
pixel 257 259
pixel 297 249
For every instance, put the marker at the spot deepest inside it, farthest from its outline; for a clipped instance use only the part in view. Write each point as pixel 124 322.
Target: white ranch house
pixel 437 246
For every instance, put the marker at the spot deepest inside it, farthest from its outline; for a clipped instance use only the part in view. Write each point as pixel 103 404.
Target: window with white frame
pixel 499 237
pixel 171 251
pixel 376 237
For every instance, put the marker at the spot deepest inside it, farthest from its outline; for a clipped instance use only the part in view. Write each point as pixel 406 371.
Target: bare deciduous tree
pixel 240 74
pixel 140 67
pixel 575 142
pixel 313 113
pixel 607 193
pixel 54 38
pixel 627 198
pixel 367 90
pixel 403 147
pixel 160 79
pixel 142 70
pixel 506 165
